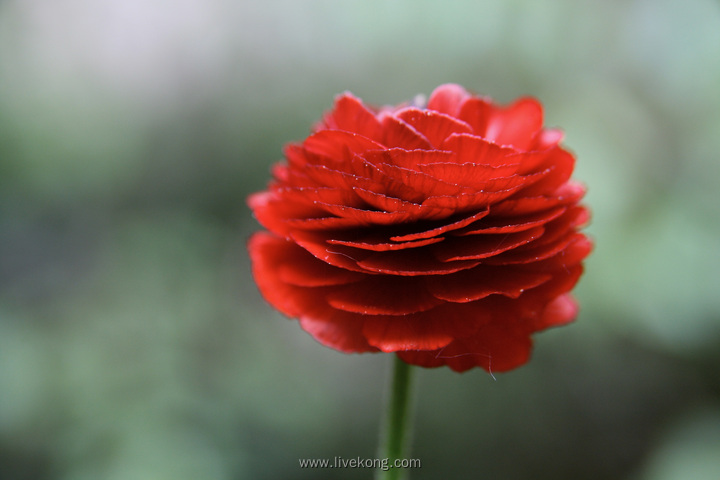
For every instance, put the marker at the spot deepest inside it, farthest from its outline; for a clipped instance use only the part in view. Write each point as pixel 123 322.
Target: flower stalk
pixel 396 433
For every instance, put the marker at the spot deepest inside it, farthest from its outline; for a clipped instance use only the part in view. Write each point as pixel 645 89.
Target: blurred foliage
pixel 133 344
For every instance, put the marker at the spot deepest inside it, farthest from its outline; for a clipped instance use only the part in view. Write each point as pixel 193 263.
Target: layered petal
pixel 448 99
pixel 448 234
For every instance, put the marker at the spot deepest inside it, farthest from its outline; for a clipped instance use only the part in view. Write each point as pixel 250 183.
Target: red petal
pixel 435 126
pixel 336 147
pixel 379 243
pixel 493 347
pixel 351 115
pixel 398 333
pixel 397 133
pixel 564 224
pixel 479 247
pixel 364 176
pixel 482 281
pixel 561 311
pixel 391 204
pixel 562 164
pixel 445 227
pixel 421 182
pixel 476 112
pixel 547 138
pixel 421 358
pixel 295 156
pixel 336 255
pixel 334 328
pixel 318 223
pixel 473 149
pixel 517 124
pixel 472 175
pixel 411 262
pixel 267 253
pixel 314 195
pixel 534 252
pixel 578 248
pixel 525 205
pixel 366 217
pixel 447 99
pixel 386 202
pixel 272 212
pixel 384 296
pixel 496 224
pixel 487 193
pixel 339 330
pixel 427 330
pixel 304 270
pixel 569 193
pixel 536 299
pixel 322 175
pixel 406 159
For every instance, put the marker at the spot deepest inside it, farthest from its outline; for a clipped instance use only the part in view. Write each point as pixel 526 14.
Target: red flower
pixel 446 233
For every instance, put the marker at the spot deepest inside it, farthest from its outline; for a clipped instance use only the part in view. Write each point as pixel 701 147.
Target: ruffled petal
pixel 547 138
pixel 476 248
pixel 398 133
pixel 497 190
pixel 533 301
pixel 427 330
pixel 304 270
pixel 472 175
pixel 335 148
pixel 533 252
pixel 388 203
pixel 406 159
pixel 337 329
pixel 363 175
pixel 482 281
pixel 448 99
pixel 497 224
pixel 473 149
pixel 434 126
pixel 315 196
pixel 561 311
pixel 560 164
pixel 511 207
pixel 351 115
pixel 447 226
pixel 421 182
pixel 494 347
pixel 336 255
pixel 365 217
pixel 380 243
pixel 476 112
pixel 515 125
pixel 268 252
pixel 399 333
pixel 384 296
pixel 317 224
pixel 411 262
pixel 273 214
pixel 574 252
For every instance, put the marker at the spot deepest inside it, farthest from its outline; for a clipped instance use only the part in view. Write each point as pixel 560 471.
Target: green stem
pixel 396 431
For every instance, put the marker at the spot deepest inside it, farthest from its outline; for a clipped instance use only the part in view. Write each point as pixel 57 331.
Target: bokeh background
pixel 133 343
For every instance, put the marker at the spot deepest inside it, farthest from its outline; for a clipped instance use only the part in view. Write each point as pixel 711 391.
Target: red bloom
pixel 447 233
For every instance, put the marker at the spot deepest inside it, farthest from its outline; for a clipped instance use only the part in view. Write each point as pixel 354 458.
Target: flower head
pixel 446 234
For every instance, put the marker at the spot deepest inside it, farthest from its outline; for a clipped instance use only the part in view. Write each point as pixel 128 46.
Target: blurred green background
pixel 133 343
